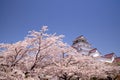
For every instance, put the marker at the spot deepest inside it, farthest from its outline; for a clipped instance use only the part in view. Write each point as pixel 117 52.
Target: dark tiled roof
pixel 117 59
pixel 93 50
pixel 80 37
pixel 109 55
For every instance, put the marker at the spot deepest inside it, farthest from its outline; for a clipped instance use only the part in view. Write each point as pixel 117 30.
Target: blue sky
pixel 97 20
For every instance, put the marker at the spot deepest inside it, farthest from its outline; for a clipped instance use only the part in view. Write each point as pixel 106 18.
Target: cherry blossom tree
pixel 41 55
pixel 31 55
pixel 76 66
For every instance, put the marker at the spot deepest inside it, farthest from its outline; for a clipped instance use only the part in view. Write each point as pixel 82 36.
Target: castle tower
pixel 81 45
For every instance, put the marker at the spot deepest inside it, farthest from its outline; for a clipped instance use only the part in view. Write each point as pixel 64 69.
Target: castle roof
pixel 93 50
pixel 117 59
pixel 80 37
pixel 109 55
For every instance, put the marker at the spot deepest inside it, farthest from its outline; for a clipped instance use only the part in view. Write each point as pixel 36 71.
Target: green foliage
pixel 118 63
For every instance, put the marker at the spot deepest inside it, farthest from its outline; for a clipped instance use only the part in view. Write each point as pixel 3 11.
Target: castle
pixel 82 46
